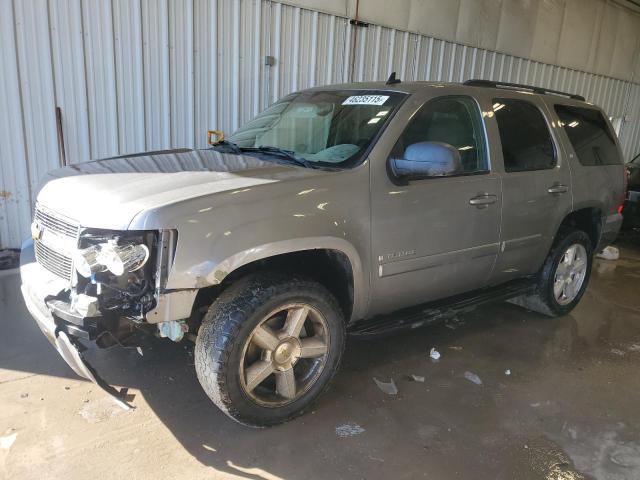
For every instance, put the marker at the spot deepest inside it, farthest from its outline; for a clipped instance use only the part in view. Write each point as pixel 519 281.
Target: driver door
pixel 437 236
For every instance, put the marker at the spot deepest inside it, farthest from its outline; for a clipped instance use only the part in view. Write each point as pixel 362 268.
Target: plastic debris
pixel 457 349
pixel 618 352
pixel 473 378
pixel 417 378
pixel 434 354
pixel 8 440
pixel 535 405
pixel 349 430
pixel 507 372
pixel 139 350
pixel 388 388
pixel 634 348
pixel 609 253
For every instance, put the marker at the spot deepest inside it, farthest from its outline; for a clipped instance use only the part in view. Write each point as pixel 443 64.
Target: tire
pixel 231 345
pixel 544 300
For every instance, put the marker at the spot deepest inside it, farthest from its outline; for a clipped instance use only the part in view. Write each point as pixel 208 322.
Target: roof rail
pixel 518 86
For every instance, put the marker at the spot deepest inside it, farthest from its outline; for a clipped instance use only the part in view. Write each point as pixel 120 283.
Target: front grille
pixel 59 263
pixel 56 223
pixel 55 262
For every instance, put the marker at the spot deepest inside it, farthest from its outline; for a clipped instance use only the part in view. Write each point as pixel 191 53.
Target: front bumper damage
pixel 38 288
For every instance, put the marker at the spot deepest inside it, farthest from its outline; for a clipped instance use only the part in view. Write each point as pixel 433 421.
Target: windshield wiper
pixel 229 146
pixel 288 155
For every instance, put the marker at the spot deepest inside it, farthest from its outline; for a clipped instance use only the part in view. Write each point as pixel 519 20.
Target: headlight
pixel 118 259
pixel 86 261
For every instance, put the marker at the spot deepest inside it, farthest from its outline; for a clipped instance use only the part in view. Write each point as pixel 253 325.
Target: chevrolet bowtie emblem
pixel 36 232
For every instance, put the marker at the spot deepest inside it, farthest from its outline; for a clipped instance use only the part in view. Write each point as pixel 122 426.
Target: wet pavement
pixel 514 395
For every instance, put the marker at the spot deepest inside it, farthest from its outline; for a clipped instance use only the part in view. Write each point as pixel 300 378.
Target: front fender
pixel 215 274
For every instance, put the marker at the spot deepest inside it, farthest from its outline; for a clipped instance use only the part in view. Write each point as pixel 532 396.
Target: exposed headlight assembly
pixel 118 259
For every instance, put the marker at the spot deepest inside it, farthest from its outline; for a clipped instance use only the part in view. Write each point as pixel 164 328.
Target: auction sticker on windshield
pixel 366 100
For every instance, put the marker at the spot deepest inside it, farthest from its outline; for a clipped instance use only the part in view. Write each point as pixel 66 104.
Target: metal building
pixel 152 74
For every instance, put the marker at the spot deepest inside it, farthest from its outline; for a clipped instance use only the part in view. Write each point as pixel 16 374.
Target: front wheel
pixel 564 276
pixel 268 347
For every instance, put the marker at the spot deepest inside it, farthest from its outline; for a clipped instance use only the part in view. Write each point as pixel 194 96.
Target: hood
pixel 109 193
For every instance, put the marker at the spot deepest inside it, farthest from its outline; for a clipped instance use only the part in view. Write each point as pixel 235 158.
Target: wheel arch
pixel 333 262
pixel 587 219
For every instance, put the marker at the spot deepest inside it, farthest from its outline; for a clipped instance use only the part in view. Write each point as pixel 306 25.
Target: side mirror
pixel 427 159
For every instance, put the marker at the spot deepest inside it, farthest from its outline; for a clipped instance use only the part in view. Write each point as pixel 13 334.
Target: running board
pixel 432 312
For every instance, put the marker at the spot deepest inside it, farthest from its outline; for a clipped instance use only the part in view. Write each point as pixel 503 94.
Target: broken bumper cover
pixel 37 285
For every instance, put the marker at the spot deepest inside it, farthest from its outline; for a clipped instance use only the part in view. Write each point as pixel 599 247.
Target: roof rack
pixel 518 86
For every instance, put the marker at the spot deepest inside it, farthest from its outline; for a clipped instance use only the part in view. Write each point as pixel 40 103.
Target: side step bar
pixel 432 312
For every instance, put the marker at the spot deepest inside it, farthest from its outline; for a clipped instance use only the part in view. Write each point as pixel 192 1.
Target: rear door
pixel 436 236
pixel 536 183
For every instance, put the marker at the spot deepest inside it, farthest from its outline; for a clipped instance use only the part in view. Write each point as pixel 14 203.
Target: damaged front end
pixel 106 287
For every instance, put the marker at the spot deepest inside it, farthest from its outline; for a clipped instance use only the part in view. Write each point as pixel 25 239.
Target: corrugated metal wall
pixel 152 74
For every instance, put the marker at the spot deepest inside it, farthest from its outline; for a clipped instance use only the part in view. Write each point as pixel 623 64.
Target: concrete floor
pixel 570 404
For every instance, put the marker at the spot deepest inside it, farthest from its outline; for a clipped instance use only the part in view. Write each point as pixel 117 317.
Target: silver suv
pixel 360 208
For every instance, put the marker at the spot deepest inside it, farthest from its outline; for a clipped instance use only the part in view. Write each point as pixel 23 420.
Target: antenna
pixel 392 79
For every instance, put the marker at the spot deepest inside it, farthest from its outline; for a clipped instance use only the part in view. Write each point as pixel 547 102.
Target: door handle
pixel 557 189
pixel 483 200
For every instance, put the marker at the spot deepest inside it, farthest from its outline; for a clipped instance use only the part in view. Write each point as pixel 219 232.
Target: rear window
pixel 590 135
pixel 524 134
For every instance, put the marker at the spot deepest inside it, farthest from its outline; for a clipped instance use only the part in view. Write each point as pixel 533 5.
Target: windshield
pixel 333 128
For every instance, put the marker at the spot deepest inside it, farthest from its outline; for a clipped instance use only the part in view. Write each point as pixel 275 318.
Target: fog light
pixel 119 259
pixel 86 261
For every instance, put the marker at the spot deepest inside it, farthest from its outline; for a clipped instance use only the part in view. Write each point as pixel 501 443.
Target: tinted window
pixel 589 134
pixel 526 141
pixel 452 120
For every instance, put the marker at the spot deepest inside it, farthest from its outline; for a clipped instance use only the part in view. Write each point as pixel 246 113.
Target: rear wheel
pixel 268 347
pixel 564 276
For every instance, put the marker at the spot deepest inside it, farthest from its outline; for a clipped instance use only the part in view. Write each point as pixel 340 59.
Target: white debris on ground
pixel 417 378
pixel 7 441
pixel 535 405
pixel 457 349
pixel 388 388
pixel 140 351
pixel 349 430
pixel 454 323
pixel 634 348
pixel 609 253
pixel 473 378
pixel 434 354
pixel 507 371
pixel 618 352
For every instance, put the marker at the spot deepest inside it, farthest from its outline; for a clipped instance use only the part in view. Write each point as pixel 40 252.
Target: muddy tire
pixel 268 347
pixel 564 276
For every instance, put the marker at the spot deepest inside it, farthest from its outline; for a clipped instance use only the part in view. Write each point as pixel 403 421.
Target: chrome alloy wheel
pixel 284 355
pixel 570 274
